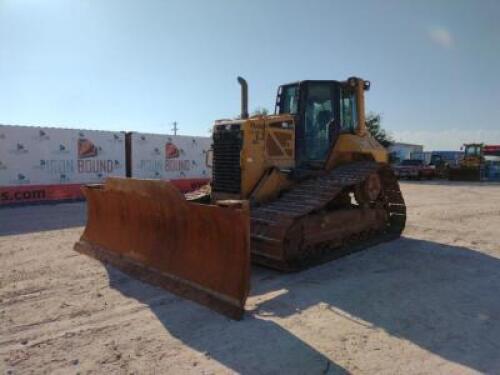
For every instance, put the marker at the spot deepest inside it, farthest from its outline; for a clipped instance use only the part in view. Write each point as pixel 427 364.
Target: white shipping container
pixel 41 156
pixel 39 163
pixel 168 157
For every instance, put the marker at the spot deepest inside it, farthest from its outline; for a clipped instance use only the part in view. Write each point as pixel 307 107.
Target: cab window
pixel 318 114
pixel 473 150
pixel 348 111
pixel 288 99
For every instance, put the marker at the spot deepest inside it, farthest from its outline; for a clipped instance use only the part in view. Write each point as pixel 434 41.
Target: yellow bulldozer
pixel 290 190
pixel 471 167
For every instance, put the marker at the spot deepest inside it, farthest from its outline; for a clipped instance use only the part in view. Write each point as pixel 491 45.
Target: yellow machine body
pixel 268 152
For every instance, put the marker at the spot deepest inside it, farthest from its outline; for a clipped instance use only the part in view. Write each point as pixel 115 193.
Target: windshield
pixel 473 150
pixel 411 162
pixel 436 159
pixel 318 114
pixel 288 99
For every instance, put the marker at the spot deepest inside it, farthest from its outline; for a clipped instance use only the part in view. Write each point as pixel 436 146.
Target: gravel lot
pixel 426 303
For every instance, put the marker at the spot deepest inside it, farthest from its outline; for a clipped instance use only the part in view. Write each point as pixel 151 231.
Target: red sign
pixel 491 149
pixel 14 195
pixel 10 195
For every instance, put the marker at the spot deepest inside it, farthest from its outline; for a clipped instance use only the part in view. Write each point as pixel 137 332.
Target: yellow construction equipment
pixel 471 167
pixel 289 190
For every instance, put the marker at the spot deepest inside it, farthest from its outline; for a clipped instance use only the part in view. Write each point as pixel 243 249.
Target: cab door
pixel 319 117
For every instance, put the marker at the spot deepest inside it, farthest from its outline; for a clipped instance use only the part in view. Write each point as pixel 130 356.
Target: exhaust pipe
pixel 360 85
pixel 244 97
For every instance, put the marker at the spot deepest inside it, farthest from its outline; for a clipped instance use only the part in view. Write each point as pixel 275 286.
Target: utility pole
pixel 174 127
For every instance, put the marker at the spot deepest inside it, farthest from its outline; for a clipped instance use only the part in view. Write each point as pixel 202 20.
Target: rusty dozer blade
pixel 149 230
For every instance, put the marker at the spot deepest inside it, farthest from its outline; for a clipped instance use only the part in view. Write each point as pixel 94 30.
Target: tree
pixel 260 111
pixel 373 125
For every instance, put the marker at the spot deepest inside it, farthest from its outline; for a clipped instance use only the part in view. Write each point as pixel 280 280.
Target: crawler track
pixel 301 228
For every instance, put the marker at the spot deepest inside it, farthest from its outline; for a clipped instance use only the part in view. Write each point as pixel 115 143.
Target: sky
pixel 141 65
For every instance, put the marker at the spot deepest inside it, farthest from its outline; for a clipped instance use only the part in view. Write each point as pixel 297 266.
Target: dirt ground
pixel 426 303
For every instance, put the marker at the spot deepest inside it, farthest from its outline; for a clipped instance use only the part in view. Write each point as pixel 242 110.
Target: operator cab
pixel 322 111
pixel 473 150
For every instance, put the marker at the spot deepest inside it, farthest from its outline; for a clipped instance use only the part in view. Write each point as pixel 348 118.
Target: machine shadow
pixel 252 345
pixel 445 299
pixel 41 217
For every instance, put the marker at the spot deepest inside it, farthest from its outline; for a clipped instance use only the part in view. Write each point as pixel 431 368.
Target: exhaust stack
pixel 360 86
pixel 244 97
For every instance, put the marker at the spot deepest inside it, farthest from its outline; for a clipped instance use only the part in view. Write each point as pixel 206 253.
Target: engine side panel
pixel 246 150
pixel 268 142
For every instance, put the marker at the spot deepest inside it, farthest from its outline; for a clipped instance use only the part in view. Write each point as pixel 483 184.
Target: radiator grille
pixel 226 171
